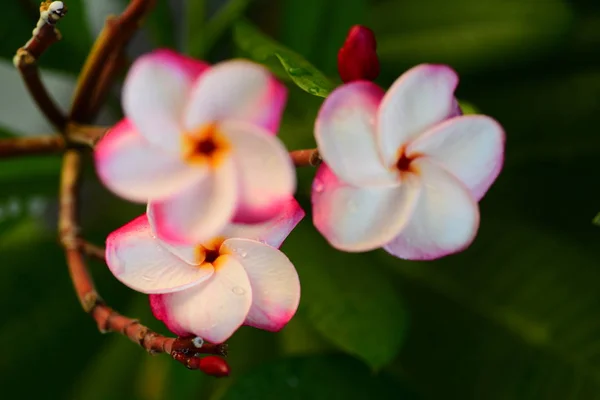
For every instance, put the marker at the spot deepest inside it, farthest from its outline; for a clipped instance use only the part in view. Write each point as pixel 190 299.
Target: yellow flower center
pixel 211 252
pixel 205 145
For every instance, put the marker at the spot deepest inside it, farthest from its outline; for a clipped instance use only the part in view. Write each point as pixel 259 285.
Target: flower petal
pixel 155 93
pixel 422 97
pixel 266 175
pixel 445 221
pixel 213 310
pixel 200 212
pixel 345 134
pixel 237 90
pixel 138 259
pixel 272 232
pixel 274 281
pixel 129 166
pixel 470 147
pixel 360 219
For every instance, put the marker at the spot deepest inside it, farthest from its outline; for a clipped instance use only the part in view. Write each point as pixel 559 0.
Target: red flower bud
pixel 357 59
pixel 215 366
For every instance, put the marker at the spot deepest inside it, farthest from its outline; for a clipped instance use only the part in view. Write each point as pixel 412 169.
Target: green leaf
pixel 318 377
pixel 261 49
pixel 161 25
pixel 346 299
pixel 466 34
pixel 195 21
pixel 224 18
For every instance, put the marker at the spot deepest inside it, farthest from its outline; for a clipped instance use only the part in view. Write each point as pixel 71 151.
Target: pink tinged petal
pixel 445 221
pixel 135 170
pixel 161 313
pixel 272 232
pixel 190 66
pixel 274 281
pixel 422 97
pixel 200 212
pixel 237 90
pixel 470 147
pixel 266 174
pixel 213 310
pixel 154 96
pixel 345 134
pixel 138 259
pixel 361 219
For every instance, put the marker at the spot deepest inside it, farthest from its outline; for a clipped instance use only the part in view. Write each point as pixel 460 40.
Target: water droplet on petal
pixel 352 206
pixel 238 290
pixel 318 185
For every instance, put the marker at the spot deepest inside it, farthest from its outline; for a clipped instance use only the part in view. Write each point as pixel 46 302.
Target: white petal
pixel 136 170
pixel 213 310
pixel 345 134
pixel 154 96
pixel 445 221
pixel 422 97
pixel 199 213
pixel 236 90
pixel 274 281
pixel 140 261
pixel 360 219
pixel 469 147
pixel 266 175
pixel 272 232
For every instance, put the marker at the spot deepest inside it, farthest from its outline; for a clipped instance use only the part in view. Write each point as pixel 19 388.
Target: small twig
pixel 306 158
pixel 44 35
pixel 114 65
pixel 115 35
pixel 47 144
pixel 92 250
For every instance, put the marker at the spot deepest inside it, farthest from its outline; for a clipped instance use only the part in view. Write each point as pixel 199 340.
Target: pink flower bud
pixel 357 59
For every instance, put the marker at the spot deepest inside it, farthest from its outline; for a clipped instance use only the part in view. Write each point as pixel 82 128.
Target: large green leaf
pixel 318 377
pixel 348 301
pixel 262 49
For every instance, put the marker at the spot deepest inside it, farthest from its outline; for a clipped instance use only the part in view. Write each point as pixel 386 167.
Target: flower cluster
pixel 402 171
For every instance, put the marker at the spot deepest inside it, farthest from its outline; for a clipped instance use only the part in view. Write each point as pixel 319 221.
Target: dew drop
pixel 318 186
pixel 352 206
pixel 198 342
pixel 313 90
pixel 296 71
pixel 238 290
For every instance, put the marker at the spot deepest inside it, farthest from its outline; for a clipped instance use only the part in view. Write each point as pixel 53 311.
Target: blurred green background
pixel 516 316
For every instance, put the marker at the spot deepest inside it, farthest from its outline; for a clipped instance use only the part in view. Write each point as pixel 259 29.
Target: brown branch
pixel 44 35
pixel 183 350
pixel 116 34
pixel 306 158
pixel 92 250
pixel 78 135
pixel 47 144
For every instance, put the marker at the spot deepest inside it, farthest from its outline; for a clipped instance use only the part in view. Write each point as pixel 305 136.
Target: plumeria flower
pixel 198 143
pixel 210 289
pixel 403 169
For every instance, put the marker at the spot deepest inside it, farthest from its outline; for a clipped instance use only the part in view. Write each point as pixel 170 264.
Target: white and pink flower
pixel 403 169
pixel 210 290
pixel 198 143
